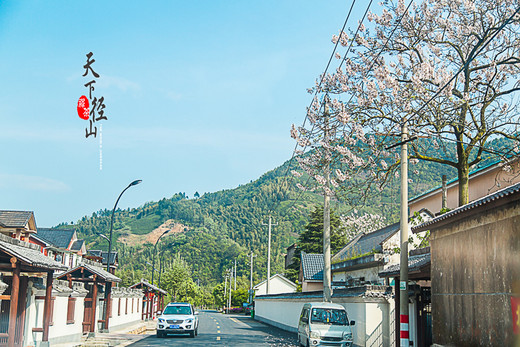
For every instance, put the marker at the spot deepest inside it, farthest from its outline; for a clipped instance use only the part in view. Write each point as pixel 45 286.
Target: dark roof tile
pixel 508 191
pixel 57 237
pixel 415 263
pixel 312 266
pixel 76 245
pixel 15 219
pixel 28 253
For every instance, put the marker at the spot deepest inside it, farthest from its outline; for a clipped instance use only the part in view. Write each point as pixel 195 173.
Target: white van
pixel 324 324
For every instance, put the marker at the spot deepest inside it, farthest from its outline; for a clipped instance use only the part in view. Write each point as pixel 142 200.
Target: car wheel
pixel 192 333
pixel 197 332
pixel 159 334
pixel 308 343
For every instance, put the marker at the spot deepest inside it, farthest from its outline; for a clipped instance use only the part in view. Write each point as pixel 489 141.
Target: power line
pixel 344 59
pixel 321 81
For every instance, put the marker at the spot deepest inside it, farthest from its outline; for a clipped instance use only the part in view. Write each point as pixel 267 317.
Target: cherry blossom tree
pixel 449 69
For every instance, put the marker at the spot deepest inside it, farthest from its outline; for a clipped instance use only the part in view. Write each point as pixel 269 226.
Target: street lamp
pixel 155 251
pixel 108 285
pixel 134 183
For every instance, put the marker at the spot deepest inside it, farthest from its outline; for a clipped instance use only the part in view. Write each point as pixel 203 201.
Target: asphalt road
pixel 216 329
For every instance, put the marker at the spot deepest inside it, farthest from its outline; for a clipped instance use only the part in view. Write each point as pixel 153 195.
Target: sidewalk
pixel 118 337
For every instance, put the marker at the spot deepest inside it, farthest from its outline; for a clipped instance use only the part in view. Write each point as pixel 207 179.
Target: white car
pixel 324 324
pixel 178 318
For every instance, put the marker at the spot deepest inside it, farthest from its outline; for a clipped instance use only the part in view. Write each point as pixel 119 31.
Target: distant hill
pixel 213 230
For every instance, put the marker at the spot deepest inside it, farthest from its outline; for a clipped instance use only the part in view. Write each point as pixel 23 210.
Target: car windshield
pixel 329 316
pixel 177 310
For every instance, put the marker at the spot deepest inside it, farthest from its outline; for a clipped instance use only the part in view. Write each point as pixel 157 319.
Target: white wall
pixel 276 286
pixel 372 316
pixel 123 319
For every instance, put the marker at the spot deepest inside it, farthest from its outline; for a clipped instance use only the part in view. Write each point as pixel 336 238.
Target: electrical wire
pixel 271 209
pixel 348 50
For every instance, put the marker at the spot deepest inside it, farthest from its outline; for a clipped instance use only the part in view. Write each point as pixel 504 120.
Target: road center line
pixel 218 338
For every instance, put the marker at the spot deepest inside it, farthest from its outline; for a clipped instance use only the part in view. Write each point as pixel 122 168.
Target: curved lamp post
pixel 134 183
pixel 108 286
pixel 155 251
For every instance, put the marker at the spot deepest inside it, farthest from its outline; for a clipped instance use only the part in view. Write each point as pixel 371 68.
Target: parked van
pixel 324 324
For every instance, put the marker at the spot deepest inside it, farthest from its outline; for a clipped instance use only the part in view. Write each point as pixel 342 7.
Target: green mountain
pixel 213 230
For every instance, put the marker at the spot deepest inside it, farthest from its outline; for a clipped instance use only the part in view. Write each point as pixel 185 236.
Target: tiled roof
pixel 76 245
pixel 508 191
pixel 107 276
pixel 312 266
pixel 28 253
pixel 365 243
pixel 57 237
pixel 15 219
pixel 144 283
pixel 102 254
pixel 415 263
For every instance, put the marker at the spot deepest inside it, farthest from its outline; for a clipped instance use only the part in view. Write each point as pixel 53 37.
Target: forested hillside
pixel 219 227
pixel 225 225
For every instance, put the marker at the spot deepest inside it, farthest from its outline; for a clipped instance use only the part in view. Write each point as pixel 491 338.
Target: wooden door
pixel 87 313
pixel 20 318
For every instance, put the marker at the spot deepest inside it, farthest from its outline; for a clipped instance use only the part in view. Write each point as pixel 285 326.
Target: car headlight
pixel 161 320
pixel 189 320
pixel 347 336
pixel 315 335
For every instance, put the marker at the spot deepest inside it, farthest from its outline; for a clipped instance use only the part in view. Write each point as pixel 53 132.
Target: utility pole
pixel 225 289
pixel 269 253
pixel 251 285
pixel 403 285
pixel 231 274
pixel 235 274
pixel 327 288
pixel 403 276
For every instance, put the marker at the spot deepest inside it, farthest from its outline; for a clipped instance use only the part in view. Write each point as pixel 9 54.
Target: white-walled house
pixel 277 284
pixel 50 292
pixel 367 254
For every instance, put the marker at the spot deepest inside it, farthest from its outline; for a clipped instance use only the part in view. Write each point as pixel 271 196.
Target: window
pixel 71 308
pixel 126 306
pixel 180 310
pixel 119 307
pixel 329 316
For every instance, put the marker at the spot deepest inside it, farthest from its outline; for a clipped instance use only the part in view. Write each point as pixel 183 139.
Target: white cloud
pixel 106 81
pixel 32 183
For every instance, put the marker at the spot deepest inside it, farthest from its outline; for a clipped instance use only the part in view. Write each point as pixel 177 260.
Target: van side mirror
pixel 305 320
pixel 352 322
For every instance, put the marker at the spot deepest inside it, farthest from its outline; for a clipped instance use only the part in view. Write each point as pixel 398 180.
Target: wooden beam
pixel 13 312
pixel 94 302
pixel 47 307
pixel 107 303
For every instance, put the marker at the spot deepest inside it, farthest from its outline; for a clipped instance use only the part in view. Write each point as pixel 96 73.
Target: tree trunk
pixel 463 175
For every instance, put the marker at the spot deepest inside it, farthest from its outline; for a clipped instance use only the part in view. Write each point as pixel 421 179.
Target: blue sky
pixel 199 95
